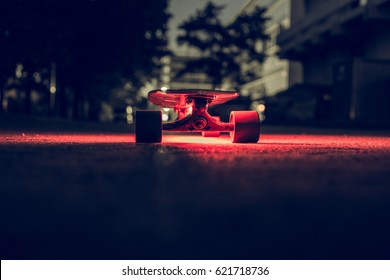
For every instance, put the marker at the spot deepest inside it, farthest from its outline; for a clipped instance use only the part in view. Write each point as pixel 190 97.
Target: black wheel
pixel 246 126
pixel 148 127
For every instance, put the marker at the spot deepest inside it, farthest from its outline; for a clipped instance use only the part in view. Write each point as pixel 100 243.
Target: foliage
pixel 225 49
pixel 96 45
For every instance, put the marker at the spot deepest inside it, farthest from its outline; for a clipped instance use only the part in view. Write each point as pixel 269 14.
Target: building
pixel 344 44
pixel 173 65
pixel 275 74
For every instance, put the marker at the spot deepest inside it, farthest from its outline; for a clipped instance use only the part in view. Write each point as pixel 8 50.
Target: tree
pixel 96 45
pixel 20 43
pixel 225 49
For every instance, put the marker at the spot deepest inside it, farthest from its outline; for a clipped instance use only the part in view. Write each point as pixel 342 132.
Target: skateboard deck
pixel 178 98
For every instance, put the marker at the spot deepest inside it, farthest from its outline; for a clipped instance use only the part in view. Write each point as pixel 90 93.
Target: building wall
pixel 297 11
pixel 318 66
pixel 173 65
pixel 275 74
pixel 344 44
pixel 379 46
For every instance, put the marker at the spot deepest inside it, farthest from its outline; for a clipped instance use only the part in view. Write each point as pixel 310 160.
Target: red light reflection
pixel 343 141
pixel 189 140
pixel 48 138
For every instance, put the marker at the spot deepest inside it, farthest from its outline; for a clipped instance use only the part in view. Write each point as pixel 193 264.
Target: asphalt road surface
pixel 297 194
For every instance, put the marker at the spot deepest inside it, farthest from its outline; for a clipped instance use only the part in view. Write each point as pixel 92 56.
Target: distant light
pixel 148 35
pixel 261 108
pixel 165 117
pixel 164 89
pixel 128 86
pixel 5 104
pixel 130 119
pixel 129 110
pixel 19 71
pixel 37 77
pixel 53 89
pixel 165 59
pixel 165 78
pixel 159 34
pixel 166 109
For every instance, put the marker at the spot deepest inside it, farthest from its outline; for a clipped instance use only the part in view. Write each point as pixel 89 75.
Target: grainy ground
pixel 83 194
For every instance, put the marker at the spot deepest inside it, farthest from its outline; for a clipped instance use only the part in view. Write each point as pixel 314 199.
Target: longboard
pixel 191 107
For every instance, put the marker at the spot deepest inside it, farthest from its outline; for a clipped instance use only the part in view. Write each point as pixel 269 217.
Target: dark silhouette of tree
pixel 21 42
pixel 96 45
pixel 225 49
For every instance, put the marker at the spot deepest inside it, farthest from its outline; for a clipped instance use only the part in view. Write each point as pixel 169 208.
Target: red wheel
pixel 212 133
pixel 246 126
pixel 148 127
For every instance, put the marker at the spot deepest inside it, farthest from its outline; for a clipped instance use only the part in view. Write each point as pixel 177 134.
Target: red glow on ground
pixel 193 140
pixel 290 139
pixel 49 138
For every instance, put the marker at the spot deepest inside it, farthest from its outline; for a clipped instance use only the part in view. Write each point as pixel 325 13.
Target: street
pixel 297 194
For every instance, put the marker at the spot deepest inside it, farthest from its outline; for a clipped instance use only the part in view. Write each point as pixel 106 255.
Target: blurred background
pixel 307 62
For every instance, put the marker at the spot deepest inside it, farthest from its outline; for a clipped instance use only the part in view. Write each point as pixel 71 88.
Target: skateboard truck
pixel 198 120
pixel 191 107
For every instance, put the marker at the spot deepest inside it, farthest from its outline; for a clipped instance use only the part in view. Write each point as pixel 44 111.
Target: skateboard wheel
pixel 148 127
pixel 212 133
pixel 246 126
